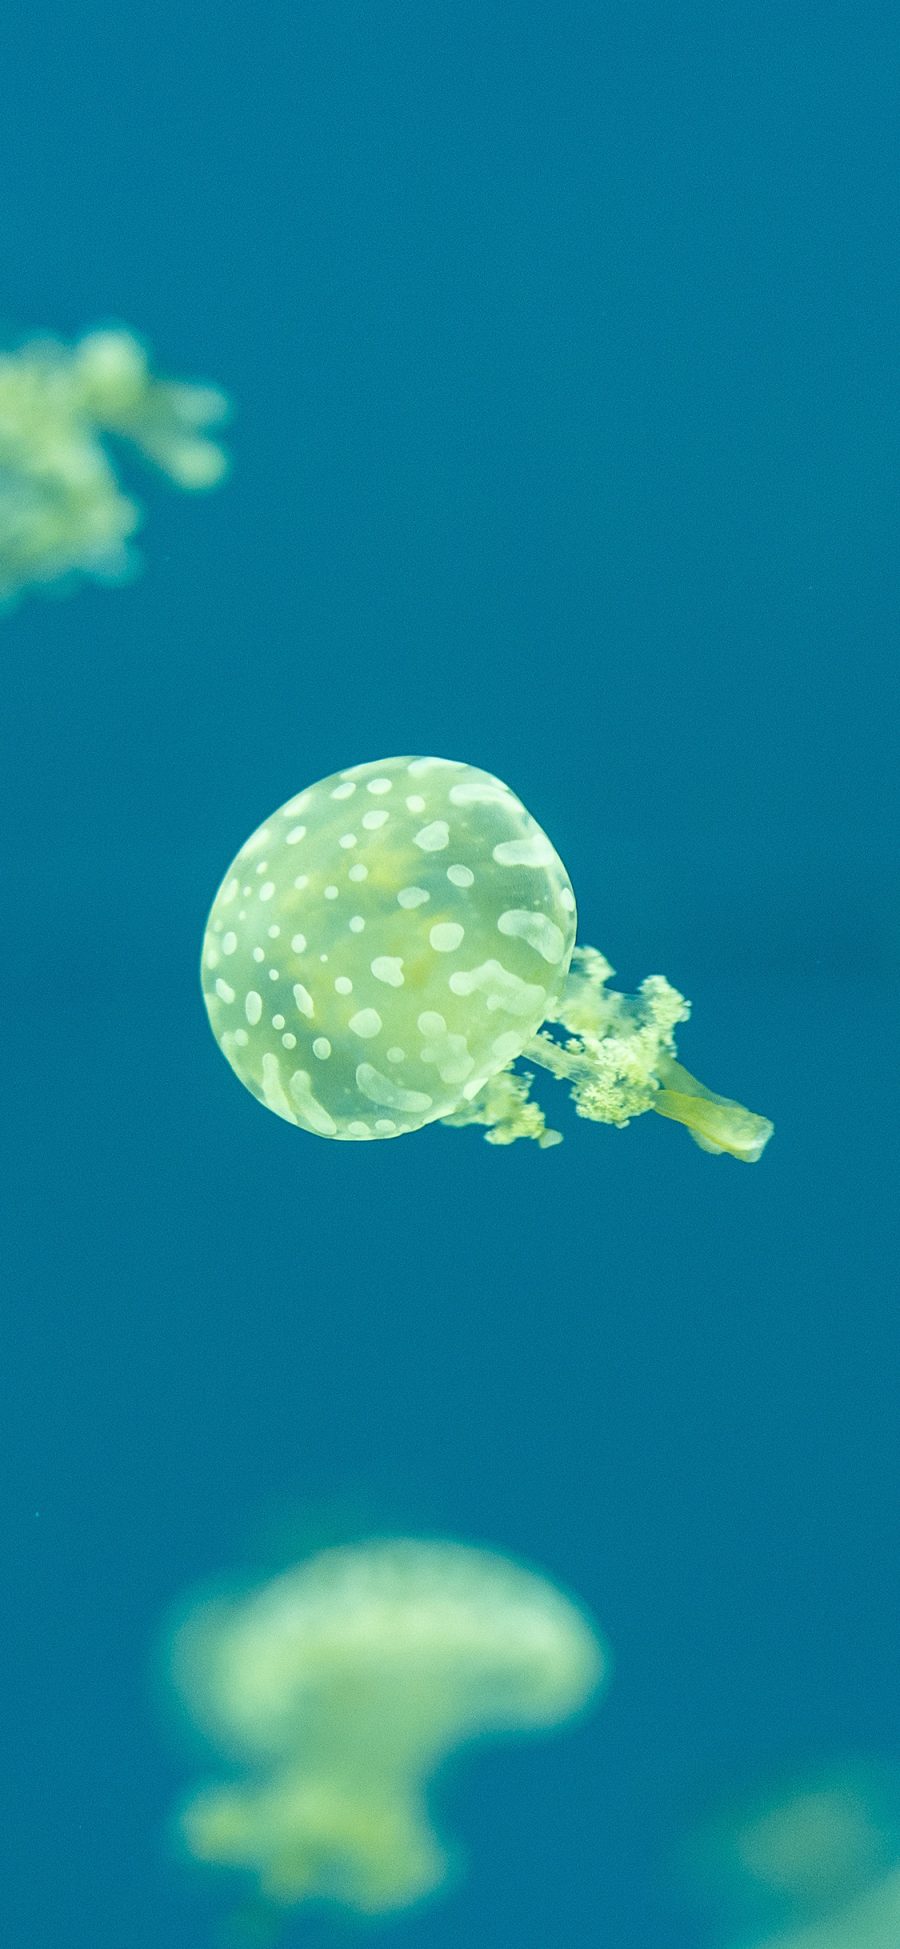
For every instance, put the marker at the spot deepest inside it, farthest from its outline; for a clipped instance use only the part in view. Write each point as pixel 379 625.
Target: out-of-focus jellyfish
pixel 816 1866
pixel 338 1689
pixel 389 943
pixel 62 511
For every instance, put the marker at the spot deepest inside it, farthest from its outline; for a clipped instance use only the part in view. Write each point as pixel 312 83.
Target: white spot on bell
pixel 500 988
pixel 382 1089
pixel 538 930
pixel 507 1046
pixel 433 838
pixel 309 1111
pixel 388 968
pixel 273 1088
pixel 445 936
pixel 536 850
pixel 366 1022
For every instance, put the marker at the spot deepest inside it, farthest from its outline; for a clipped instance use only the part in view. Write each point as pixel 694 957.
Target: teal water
pixel 563 352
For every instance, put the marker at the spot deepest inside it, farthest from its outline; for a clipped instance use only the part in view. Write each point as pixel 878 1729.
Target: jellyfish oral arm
pixel 619 1060
pixel 715 1122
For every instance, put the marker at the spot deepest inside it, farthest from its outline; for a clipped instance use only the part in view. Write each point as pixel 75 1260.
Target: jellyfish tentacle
pixel 716 1123
pixel 620 1061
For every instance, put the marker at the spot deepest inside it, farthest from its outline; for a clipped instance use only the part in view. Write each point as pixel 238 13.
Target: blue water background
pixel 563 342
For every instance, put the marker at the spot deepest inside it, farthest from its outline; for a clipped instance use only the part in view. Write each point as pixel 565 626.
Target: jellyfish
pixel 814 1865
pixel 387 946
pixel 62 510
pixel 339 1687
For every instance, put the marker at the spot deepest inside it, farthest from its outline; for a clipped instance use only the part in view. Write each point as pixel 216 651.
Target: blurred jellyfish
pixel 338 1689
pixel 62 511
pixel 816 1866
pixel 386 946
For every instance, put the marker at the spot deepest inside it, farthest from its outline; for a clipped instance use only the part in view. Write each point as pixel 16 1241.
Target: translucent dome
pixel 388 941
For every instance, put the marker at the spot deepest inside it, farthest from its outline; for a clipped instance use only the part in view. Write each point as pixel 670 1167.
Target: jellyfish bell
pixel 411 1644
pixel 807 1862
pixel 384 944
pixel 388 943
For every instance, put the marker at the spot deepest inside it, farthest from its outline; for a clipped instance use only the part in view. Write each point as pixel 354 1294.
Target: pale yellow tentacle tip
pixel 716 1123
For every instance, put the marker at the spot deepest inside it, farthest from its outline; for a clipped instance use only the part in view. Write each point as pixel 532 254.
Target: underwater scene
pixel 449 600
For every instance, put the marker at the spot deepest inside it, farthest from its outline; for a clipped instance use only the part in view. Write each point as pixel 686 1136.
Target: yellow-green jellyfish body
pixel 339 1688
pixel 62 510
pixel 384 944
pixel 813 1867
pixel 388 943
